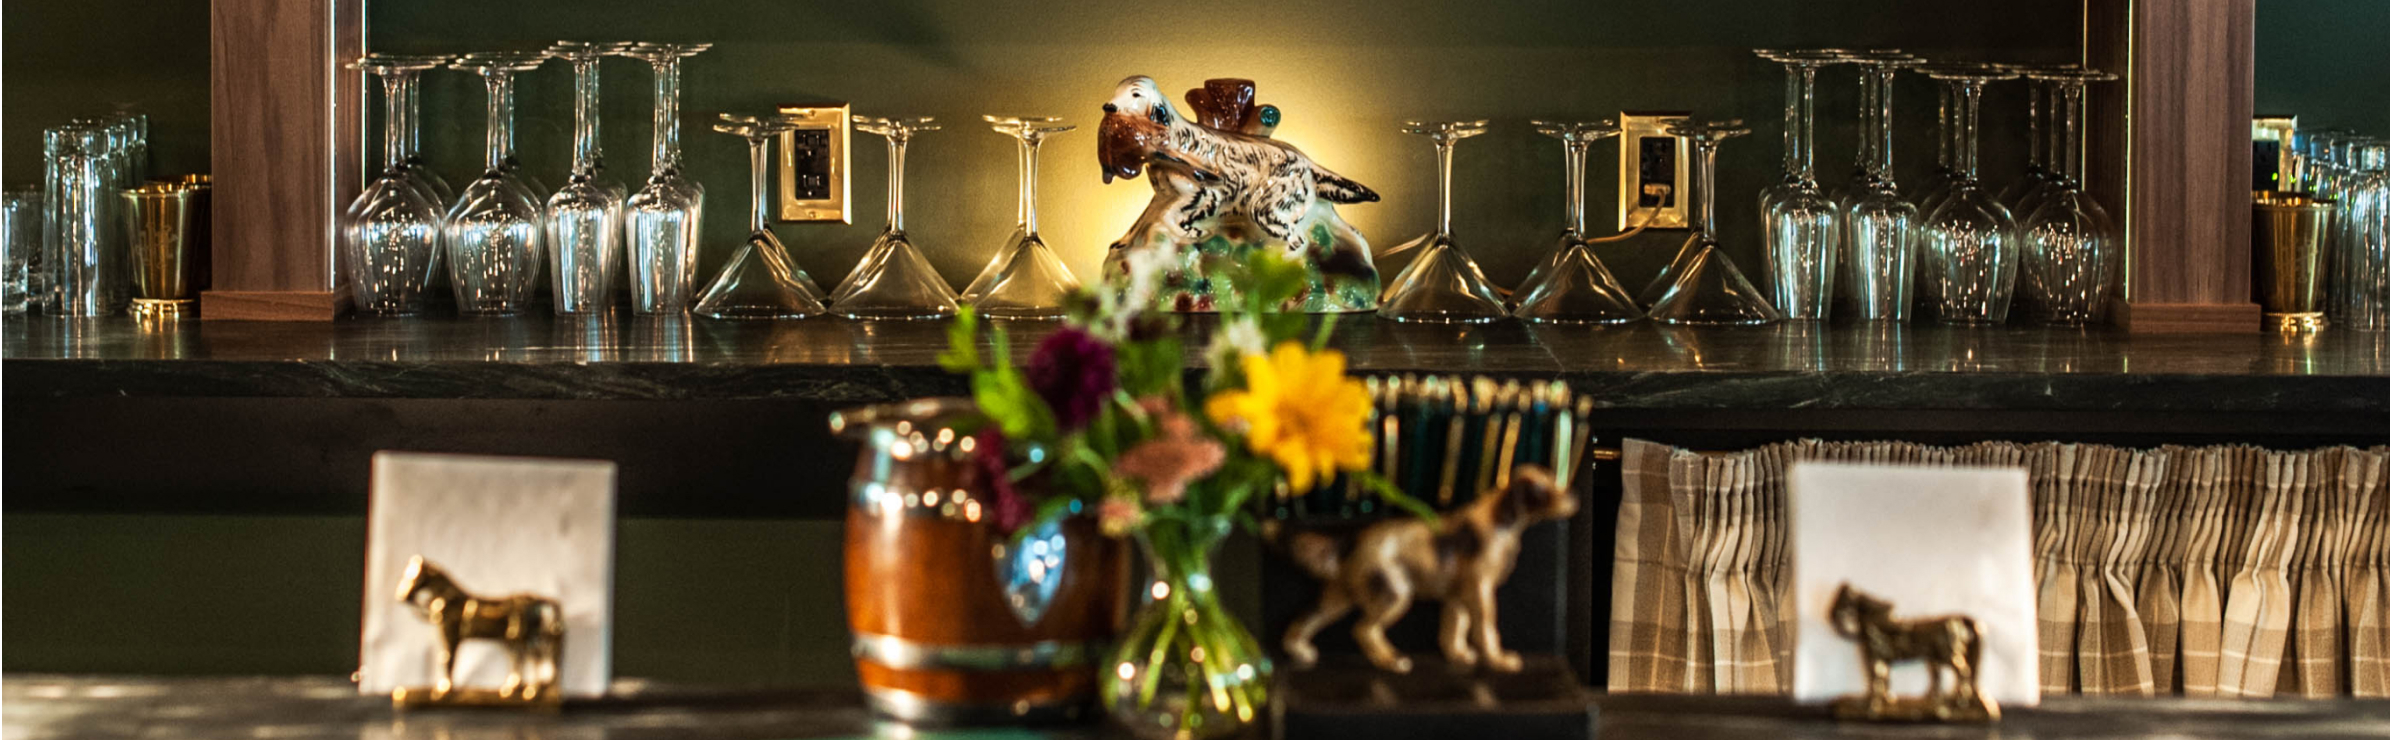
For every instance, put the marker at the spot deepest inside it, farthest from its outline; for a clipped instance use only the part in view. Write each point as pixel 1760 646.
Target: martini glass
pixel 1025 279
pixel 761 281
pixel 894 281
pixel 1709 289
pixel 1441 285
pixel 661 222
pixel 2073 257
pixel 493 232
pixel 1879 237
pixel 1969 243
pixel 585 216
pixel 1573 286
pixel 390 236
pixel 1803 226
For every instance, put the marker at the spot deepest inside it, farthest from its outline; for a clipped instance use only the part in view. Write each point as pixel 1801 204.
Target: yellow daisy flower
pixel 1299 410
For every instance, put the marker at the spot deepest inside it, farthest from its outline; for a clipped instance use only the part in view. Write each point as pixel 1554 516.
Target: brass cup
pixel 2287 241
pixel 166 227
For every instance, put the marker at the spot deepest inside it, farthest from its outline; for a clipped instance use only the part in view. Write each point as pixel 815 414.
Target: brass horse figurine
pixel 1954 643
pixel 532 628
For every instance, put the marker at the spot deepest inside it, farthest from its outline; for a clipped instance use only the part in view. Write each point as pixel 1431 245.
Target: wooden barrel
pixel 938 637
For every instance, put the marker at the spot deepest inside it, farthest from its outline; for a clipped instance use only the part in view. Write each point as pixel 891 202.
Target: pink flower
pixel 1177 455
pixel 1118 516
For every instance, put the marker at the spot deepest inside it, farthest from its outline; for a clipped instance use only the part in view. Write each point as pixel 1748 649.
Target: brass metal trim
pixel 897 652
pixel 831 120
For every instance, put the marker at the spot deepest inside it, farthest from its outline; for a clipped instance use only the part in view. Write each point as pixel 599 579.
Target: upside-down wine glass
pixel 585 216
pixel 1442 284
pixel 1879 236
pixel 1573 286
pixel 1863 175
pixel 1025 279
pixel 493 233
pixel 1803 226
pixel 1709 289
pixel 434 187
pixel 2072 256
pixel 761 281
pixel 2038 147
pixel 661 222
pixel 1969 244
pixel 894 280
pixel 390 235
pixel 2359 292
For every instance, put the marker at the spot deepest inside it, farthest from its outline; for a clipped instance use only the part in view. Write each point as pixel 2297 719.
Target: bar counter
pixel 47 707
pixel 1638 366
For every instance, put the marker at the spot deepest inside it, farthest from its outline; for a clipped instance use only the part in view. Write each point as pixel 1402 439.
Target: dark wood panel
pixel 2192 82
pixel 284 144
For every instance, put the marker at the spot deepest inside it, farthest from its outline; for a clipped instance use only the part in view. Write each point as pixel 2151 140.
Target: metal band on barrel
pixel 897 652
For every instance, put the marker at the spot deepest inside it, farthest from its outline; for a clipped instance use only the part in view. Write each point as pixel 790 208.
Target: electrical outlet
pixel 1653 168
pixel 814 164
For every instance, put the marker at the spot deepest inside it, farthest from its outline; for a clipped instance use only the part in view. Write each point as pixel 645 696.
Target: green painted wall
pixel 2322 61
pixel 68 58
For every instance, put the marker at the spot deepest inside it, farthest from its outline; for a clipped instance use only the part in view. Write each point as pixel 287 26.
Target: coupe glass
pixel 1025 279
pixel 1709 289
pixel 761 281
pixel 1969 243
pixel 1803 227
pixel 1573 286
pixel 894 280
pixel 1879 237
pixel 1442 284
pixel 390 236
pixel 661 222
pixel 585 216
pixel 2073 257
pixel 493 233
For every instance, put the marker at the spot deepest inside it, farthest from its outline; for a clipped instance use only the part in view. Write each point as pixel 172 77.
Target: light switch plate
pixel 1653 169
pixel 814 164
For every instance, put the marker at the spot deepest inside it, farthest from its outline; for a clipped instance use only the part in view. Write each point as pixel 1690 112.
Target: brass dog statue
pixel 1459 560
pixel 532 628
pixel 1953 643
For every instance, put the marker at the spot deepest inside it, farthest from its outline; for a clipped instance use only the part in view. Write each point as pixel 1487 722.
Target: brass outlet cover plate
pixel 1647 155
pixel 814 164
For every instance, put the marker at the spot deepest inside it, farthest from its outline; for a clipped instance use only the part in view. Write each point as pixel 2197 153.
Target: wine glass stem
pixel 1792 118
pixel 394 137
pixel 411 132
pixel 667 141
pixel 1805 159
pixel 501 130
pixel 896 181
pixel 1705 177
pixel 1444 186
pixel 2070 165
pixel 1883 124
pixel 1944 130
pixel 1028 206
pixel 586 144
pixel 759 156
pixel 1867 120
pixel 1969 99
pixel 2035 159
pixel 1574 166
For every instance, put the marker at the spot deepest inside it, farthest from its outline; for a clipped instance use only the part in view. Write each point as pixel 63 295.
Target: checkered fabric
pixel 2225 571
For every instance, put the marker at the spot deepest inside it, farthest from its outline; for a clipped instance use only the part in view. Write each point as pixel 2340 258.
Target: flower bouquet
pixel 1101 418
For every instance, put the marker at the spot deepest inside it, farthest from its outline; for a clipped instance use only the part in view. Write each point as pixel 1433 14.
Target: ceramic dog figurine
pixel 1223 188
pixel 532 628
pixel 1460 561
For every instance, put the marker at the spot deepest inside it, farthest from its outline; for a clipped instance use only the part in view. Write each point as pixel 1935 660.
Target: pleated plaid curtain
pixel 2214 571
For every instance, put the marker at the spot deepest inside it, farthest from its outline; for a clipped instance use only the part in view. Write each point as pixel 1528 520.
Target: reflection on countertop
pixel 1649 365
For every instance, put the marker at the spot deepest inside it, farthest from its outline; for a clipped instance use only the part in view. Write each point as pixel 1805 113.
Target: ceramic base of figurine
pixel 1338 283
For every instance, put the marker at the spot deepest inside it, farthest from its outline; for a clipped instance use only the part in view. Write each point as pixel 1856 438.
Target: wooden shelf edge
pixel 272 305
pixel 2189 318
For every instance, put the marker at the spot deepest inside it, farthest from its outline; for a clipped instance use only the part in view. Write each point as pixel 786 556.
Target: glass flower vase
pixel 1186 668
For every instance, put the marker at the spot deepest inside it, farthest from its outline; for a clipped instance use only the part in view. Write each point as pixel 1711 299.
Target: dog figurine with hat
pixel 1224 190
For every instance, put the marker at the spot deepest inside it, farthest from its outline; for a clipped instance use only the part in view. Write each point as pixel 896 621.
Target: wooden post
pixel 285 145
pixel 2181 120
